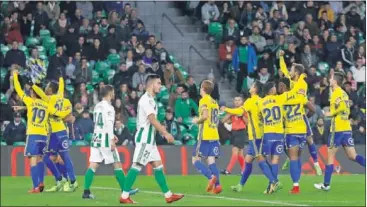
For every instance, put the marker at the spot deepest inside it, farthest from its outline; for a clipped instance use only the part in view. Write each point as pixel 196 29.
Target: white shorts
pixel 99 154
pixel 145 153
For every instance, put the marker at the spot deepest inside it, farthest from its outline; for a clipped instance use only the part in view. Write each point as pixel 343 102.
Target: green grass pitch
pixel 347 190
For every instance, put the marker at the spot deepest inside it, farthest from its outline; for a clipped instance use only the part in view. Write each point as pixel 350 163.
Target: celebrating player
pixel 239 123
pixel 208 138
pixel 340 130
pixel 255 133
pixel 146 150
pixel 103 143
pixel 295 83
pixel 37 114
pixel 59 140
pixel 295 126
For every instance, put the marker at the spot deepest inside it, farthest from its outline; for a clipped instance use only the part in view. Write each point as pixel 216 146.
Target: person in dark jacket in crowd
pixel 231 31
pixel 15 56
pixel 86 123
pixel 75 130
pixel 82 73
pixel 70 39
pixel 320 132
pixel 192 89
pixel 156 69
pixel 94 34
pixel 267 61
pixel 347 53
pixel 312 78
pixel 123 29
pixel 81 47
pixel 113 40
pixel 358 130
pixel 56 67
pixel 68 7
pixel 141 32
pixel 332 49
pixel 15 131
pixel 97 51
pixel 123 134
pixel 41 19
pixel 123 76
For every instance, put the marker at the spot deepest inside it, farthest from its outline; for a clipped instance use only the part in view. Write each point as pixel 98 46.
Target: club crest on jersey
pixel 65 144
pixel 279 148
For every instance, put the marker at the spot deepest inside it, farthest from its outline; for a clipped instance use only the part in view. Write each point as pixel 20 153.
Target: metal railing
pixel 192 48
pixel 164 15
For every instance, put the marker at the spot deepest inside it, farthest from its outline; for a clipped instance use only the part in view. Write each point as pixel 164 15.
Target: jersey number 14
pixel 98 119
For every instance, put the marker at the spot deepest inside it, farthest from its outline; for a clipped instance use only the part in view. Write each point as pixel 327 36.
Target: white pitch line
pixel 216 197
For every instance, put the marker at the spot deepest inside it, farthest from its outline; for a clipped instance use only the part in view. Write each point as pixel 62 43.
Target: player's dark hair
pixel 259 87
pixel 286 82
pixel 299 68
pixel 54 87
pixel 268 86
pixel 151 77
pixel 339 78
pixel 106 90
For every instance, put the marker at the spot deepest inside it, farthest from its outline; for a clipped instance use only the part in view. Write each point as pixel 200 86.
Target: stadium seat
pixel 4 49
pixel 108 75
pixel 48 43
pixel 131 124
pixel 3 144
pixel 44 33
pixel 216 30
pixel 70 89
pixel 323 67
pixel 3 73
pixel 32 41
pixel 228 142
pixel 3 99
pixel 19 144
pixel 79 143
pixel 113 59
pixel 100 66
pixel 23 48
pixel 88 137
pixel 41 50
pixel 90 88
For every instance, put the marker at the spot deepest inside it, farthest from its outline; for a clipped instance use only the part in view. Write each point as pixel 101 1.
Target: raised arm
pixel 61 86
pixel 40 92
pixel 282 65
pixel 26 99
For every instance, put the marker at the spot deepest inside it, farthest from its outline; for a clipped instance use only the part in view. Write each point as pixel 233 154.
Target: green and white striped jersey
pixel 145 130
pixel 104 119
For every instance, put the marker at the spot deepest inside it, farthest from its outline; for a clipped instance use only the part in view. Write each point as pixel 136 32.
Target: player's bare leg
pixel 196 161
pixel 245 175
pixel 329 169
pixel 295 169
pixel 217 188
pixel 34 174
pixel 313 151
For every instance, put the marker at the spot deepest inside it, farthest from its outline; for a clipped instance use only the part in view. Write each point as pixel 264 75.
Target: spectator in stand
pixel 209 12
pixel 113 18
pixel 308 58
pixel 97 93
pixel 133 20
pixel 268 34
pixel 347 53
pixel 139 77
pixel 225 14
pixel 70 69
pixel 312 78
pixel 317 47
pixel 68 7
pixel 352 94
pixel 141 33
pixel 122 133
pixel 263 75
pixel 123 29
pixel 69 40
pixel 172 76
pixel 156 69
pixel 85 28
pixel 258 40
pixel 15 56
pixel 318 112
pixel 53 10
pixel 83 97
pixel 279 5
pixel 247 16
pixel 86 9
pixel 274 21
pixel 14 34
pixel 83 74
pixel 15 131
pixel 332 49
pixel 261 14
pixel 320 132
pixel 148 57
pixel 60 27
pixel 86 123
pixel 353 18
pixel 75 130
pixel 309 8
pixel 231 31
pixel 236 10
pixel 215 93
pixel 359 72
pixel 160 52
pixel 151 43
pixel 94 34
pixel 185 107
pixel 312 25
pixel 41 19
pixel 116 6
pixel 322 93
pixel 192 89
pixel 226 52
pixel 113 40
pixel 97 51
pixel 26 24
pixel 77 18
pixel 244 61
pixel 127 10
pixel 172 126
pixel 129 58
pixel 81 47
pixel 324 21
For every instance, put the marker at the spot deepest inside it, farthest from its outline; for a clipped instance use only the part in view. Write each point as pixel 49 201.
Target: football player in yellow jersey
pixel 295 129
pixel 37 115
pixel 59 140
pixel 208 138
pixel 340 130
pixel 255 134
pixel 297 81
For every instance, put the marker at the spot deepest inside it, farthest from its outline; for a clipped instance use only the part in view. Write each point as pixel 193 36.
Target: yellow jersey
pixel 340 110
pixel 209 129
pixel 55 104
pixel 255 124
pixel 37 113
pixel 294 122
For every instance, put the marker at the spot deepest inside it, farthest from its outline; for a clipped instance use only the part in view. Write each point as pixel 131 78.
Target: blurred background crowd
pixel 91 44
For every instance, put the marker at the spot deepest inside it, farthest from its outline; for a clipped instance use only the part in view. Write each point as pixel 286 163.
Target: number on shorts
pixel 292 110
pixel 98 119
pixel 38 113
pixel 272 114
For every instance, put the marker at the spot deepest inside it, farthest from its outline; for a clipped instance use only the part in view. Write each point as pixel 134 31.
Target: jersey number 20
pixel 272 114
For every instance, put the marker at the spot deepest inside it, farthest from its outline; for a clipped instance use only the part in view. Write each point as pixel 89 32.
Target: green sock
pixel 120 177
pixel 161 179
pixel 88 179
pixel 130 179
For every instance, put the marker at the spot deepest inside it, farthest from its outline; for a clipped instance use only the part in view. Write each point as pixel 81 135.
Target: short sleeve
pixel 148 106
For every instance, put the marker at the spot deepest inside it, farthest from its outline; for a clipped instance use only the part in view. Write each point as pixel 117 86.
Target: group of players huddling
pixel 274 121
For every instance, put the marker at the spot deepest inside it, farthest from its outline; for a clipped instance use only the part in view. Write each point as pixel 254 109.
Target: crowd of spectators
pixel 91 44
